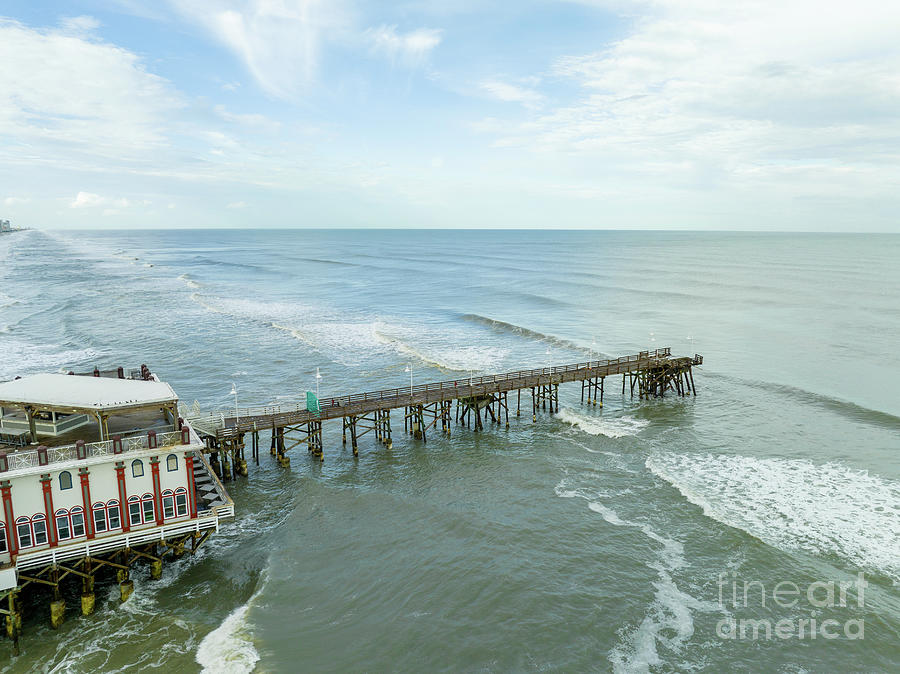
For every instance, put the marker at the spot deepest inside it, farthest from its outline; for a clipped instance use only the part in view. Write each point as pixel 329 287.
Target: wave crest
pixel 828 509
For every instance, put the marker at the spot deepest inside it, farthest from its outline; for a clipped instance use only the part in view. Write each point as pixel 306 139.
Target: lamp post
pixel 234 393
pixel 593 347
pixel 318 377
pixel 409 369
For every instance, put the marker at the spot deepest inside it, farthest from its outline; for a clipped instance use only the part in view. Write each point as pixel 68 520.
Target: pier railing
pixel 39 558
pixel 30 458
pixel 225 422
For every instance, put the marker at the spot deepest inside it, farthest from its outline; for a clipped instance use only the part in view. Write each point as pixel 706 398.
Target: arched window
pixel 3 546
pixel 65 480
pixel 168 504
pixel 100 522
pixel 147 507
pixel 171 462
pixel 134 510
pixel 140 509
pixel 112 513
pixel 39 528
pixel 181 504
pixel 23 532
pixel 137 468
pixel 63 525
pixel 77 515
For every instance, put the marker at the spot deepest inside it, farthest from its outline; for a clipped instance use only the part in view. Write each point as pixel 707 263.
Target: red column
pixel 11 540
pixel 48 509
pixel 123 496
pixel 189 466
pixel 157 490
pixel 83 473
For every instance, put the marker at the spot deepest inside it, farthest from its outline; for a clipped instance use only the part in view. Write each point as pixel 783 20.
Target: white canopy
pixel 62 391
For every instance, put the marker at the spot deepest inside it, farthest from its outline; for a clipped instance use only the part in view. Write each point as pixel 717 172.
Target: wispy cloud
pixel 80 25
pixel 279 41
pixel 74 93
pixel 703 94
pixel 512 93
pixel 410 48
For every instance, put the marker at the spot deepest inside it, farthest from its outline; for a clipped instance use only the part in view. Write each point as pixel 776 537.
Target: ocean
pixel 617 539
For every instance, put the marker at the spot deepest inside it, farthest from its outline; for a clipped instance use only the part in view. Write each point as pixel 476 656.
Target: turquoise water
pixel 592 540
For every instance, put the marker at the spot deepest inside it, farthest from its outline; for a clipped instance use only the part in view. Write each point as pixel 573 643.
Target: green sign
pixel 312 403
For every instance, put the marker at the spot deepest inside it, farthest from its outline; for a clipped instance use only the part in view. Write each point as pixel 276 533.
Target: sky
pixel 607 114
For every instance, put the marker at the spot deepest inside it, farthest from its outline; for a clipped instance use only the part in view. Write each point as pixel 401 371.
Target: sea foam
pixel 825 509
pixel 669 619
pixel 229 648
pixel 613 427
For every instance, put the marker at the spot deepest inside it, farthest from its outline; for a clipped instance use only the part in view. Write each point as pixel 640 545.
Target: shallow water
pixel 590 540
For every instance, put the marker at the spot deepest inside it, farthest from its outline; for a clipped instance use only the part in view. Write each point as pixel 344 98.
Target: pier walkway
pixel 651 373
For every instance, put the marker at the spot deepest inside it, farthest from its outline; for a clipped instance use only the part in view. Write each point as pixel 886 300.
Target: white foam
pixel 614 427
pixel 229 648
pixel 433 349
pixel 669 619
pixel 189 282
pixel 19 358
pixel 827 509
pixel 351 339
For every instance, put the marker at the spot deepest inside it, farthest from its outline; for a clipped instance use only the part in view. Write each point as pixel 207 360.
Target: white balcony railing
pixel 29 458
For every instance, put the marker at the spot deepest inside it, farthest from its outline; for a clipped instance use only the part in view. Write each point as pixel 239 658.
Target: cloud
pixel 79 25
pixel 15 201
pixel 62 91
pixel 279 41
pixel 248 120
pixel 237 204
pixel 768 95
pixel 408 48
pixel 512 93
pixel 91 200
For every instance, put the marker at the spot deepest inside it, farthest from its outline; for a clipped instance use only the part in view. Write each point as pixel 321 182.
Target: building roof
pixel 61 391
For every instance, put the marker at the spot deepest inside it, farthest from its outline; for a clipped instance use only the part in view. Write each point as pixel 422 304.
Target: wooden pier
pixel 477 400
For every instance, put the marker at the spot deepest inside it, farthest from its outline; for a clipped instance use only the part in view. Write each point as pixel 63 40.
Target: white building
pixel 102 468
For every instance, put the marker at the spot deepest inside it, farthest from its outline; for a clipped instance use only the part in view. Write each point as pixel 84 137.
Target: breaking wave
pixel 615 427
pixel 229 648
pixel 189 282
pixel 827 509
pixel 510 328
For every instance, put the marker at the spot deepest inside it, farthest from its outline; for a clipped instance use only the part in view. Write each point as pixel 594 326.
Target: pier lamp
pixel 234 393
pixel 409 369
pixel 593 348
pixel 318 378
pixel 549 370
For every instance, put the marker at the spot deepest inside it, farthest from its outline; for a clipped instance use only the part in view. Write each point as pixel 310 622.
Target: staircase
pixel 209 491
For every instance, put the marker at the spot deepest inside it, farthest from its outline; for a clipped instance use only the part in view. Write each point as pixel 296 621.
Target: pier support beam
pixel 87 589
pixel 14 620
pixel 126 585
pixel 58 605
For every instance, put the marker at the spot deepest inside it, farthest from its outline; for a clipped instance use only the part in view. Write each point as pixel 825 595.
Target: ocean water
pixel 592 540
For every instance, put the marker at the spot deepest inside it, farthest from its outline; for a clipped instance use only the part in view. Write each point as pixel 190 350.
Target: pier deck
pixel 650 373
